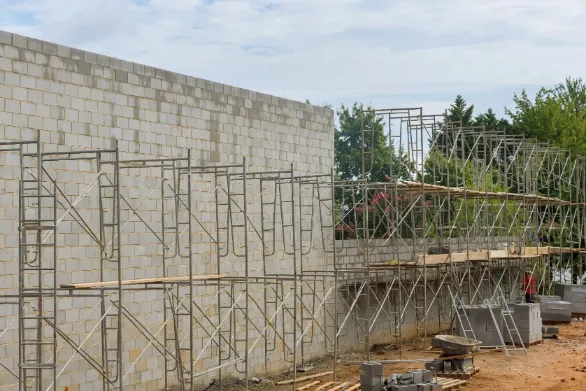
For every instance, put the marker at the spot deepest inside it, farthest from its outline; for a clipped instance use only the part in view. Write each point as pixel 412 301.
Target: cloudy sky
pixel 381 52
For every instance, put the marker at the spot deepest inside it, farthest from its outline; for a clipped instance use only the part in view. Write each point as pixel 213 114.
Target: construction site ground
pixel 555 364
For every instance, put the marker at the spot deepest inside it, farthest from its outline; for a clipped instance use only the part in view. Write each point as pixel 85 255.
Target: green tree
pixel 556 115
pixel 380 157
pixel 491 123
pixel 572 95
pixel 459 111
pixel 383 164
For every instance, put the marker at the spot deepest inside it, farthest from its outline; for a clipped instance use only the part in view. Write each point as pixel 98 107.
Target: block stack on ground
pixel 527 317
pixel 574 294
pixel 553 309
pixel 483 324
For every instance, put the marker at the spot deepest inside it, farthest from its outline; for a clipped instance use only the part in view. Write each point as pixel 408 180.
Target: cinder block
pixel 417 376
pixel 372 369
pixel 427 375
pixel 553 330
pixel 5 37
pixel 369 380
pixel 436 365
pixel 447 367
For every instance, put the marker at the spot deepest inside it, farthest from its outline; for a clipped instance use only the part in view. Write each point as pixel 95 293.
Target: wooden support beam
pixel 142 281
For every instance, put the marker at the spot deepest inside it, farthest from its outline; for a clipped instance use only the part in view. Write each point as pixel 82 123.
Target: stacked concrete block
pixel 527 317
pixel 483 325
pixel 575 294
pixel 372 376
pixel 553 309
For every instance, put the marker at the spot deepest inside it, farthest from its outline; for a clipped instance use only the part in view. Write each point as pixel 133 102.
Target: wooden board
pixel 142 281
pixel 403 186
pixel 324 386
pixel 300 379
pixel 340 386
pixel 313 383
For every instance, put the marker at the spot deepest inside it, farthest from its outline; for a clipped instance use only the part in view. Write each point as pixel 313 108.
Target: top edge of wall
pixel 54 49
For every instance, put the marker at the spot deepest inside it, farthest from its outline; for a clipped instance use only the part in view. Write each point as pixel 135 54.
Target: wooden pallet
pixel 452 384
pixel 460 376
pixel 144 281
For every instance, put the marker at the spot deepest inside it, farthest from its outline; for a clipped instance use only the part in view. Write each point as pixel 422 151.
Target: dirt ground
pixel 555 364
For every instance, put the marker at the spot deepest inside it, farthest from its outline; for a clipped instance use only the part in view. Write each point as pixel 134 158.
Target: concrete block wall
pixel 78 100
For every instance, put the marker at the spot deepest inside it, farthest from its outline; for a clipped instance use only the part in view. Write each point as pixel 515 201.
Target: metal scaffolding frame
pixel 469 213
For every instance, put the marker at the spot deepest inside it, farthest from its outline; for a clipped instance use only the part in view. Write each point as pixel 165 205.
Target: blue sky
pixel 380 52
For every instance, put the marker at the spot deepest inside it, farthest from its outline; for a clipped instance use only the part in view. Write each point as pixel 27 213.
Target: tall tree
pixel 556 115
pixel 459 111
pixel 379 155
pixel 490 121
pixel 572 95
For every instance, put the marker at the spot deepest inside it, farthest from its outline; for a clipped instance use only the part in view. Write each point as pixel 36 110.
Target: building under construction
pixel 162 230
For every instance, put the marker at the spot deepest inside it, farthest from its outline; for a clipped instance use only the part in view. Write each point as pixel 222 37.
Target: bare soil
pixel 555 364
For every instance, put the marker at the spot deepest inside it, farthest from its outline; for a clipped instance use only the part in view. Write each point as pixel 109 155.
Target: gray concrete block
pixel 369 380
pixel 436 387
pixel 447 367
pixel 552 330
pixel 5 37
pixel 423 387
pixel 121 76
pixel 372 369
pixel 417 376
pixel 436 365
pixel 427 375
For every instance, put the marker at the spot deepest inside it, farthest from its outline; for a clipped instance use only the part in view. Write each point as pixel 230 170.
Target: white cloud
pixel 329 50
